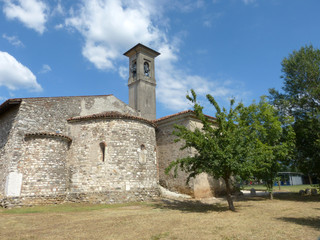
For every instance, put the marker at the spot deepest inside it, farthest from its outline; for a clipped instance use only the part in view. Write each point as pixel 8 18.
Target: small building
pixel 291 178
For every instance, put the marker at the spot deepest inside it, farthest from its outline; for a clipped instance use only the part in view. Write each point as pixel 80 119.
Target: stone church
pixel 94 148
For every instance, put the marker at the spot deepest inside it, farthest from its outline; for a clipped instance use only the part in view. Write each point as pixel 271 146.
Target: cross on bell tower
pixel 142 82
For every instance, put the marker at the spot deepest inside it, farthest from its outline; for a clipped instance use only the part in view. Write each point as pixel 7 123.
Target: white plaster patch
pixel 13 184
pixel 142 156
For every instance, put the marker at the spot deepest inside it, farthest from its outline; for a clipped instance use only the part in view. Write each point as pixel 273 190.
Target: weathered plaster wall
pixel 205 185
pixel 6 128
pixel 128 169
pixel 168 151
pixel 202 186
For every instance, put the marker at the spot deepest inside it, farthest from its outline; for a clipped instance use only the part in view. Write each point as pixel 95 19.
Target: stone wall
pixel 115 156
pixel 168 151
pixel 46 115
pixel 6 126
pixel 202 186
pixel 43 165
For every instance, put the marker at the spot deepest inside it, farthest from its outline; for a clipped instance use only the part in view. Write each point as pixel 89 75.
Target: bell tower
pixel 142 82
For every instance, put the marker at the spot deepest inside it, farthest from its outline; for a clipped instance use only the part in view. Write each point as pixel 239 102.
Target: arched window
pixel 103 150
pixel 134 69
pixel 146 69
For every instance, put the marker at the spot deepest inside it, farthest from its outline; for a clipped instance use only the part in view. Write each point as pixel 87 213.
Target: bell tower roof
pixel 141 48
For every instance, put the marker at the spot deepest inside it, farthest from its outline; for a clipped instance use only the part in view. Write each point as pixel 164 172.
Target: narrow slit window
pixel 143 147
pixel 103 150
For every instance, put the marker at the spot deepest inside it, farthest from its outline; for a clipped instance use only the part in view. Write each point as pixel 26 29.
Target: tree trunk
pixel 271 195
pixel 310 179
pixel 229 198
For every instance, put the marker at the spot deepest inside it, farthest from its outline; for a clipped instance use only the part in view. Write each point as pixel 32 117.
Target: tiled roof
pixel 180 113
pixel 47 134
pixel 111 115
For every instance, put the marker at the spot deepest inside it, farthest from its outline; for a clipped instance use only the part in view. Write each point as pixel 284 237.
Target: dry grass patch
pixel 289 216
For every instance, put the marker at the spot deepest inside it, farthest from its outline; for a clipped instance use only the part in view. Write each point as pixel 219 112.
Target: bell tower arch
pixel 142 82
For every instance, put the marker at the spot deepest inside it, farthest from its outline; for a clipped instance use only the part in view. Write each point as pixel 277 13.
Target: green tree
pixel 273 141
pixel 242 142
pixel 300 98
pixel 222 148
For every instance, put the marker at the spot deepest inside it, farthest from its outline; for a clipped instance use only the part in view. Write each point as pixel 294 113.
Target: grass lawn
pixel 288 216
pixel 295 188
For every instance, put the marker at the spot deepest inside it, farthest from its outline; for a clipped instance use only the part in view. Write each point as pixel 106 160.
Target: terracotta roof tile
pixel 180 113
pixel 111 115
pixel 47 134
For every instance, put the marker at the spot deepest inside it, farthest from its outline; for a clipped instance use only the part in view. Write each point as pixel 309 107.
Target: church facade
pixel 93 148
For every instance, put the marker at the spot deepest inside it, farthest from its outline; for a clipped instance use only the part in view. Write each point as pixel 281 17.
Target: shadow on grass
pixel 198 206
pixel 286 196
pixel 251 198
pixel 296 197
pixel 310 222
pixel 190 206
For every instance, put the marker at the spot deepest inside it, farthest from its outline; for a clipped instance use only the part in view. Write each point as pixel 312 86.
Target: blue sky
pixel 228 48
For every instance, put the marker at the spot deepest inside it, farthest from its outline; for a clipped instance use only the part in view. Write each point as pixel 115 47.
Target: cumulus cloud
pixel 110 27
pixel 13 40
pixel 174 84
pixel 14 75
pixel 32 13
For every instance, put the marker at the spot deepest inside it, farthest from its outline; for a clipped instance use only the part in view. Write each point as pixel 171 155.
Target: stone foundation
pixel 108 197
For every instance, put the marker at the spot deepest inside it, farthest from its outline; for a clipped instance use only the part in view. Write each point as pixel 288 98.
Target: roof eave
pixel 9 104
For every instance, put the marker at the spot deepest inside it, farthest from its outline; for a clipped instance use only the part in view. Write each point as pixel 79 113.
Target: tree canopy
pixel 300 98
pixel 273 140
pixel 238 142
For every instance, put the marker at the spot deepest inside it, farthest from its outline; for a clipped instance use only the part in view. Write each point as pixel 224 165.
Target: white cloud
pixel 174 84
pixel 13 40
pixel 110 27
pixel 45 68
pixel 59 26
pixel 123 72
pixel 32 13
pixel 14 75
pixel 58 9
